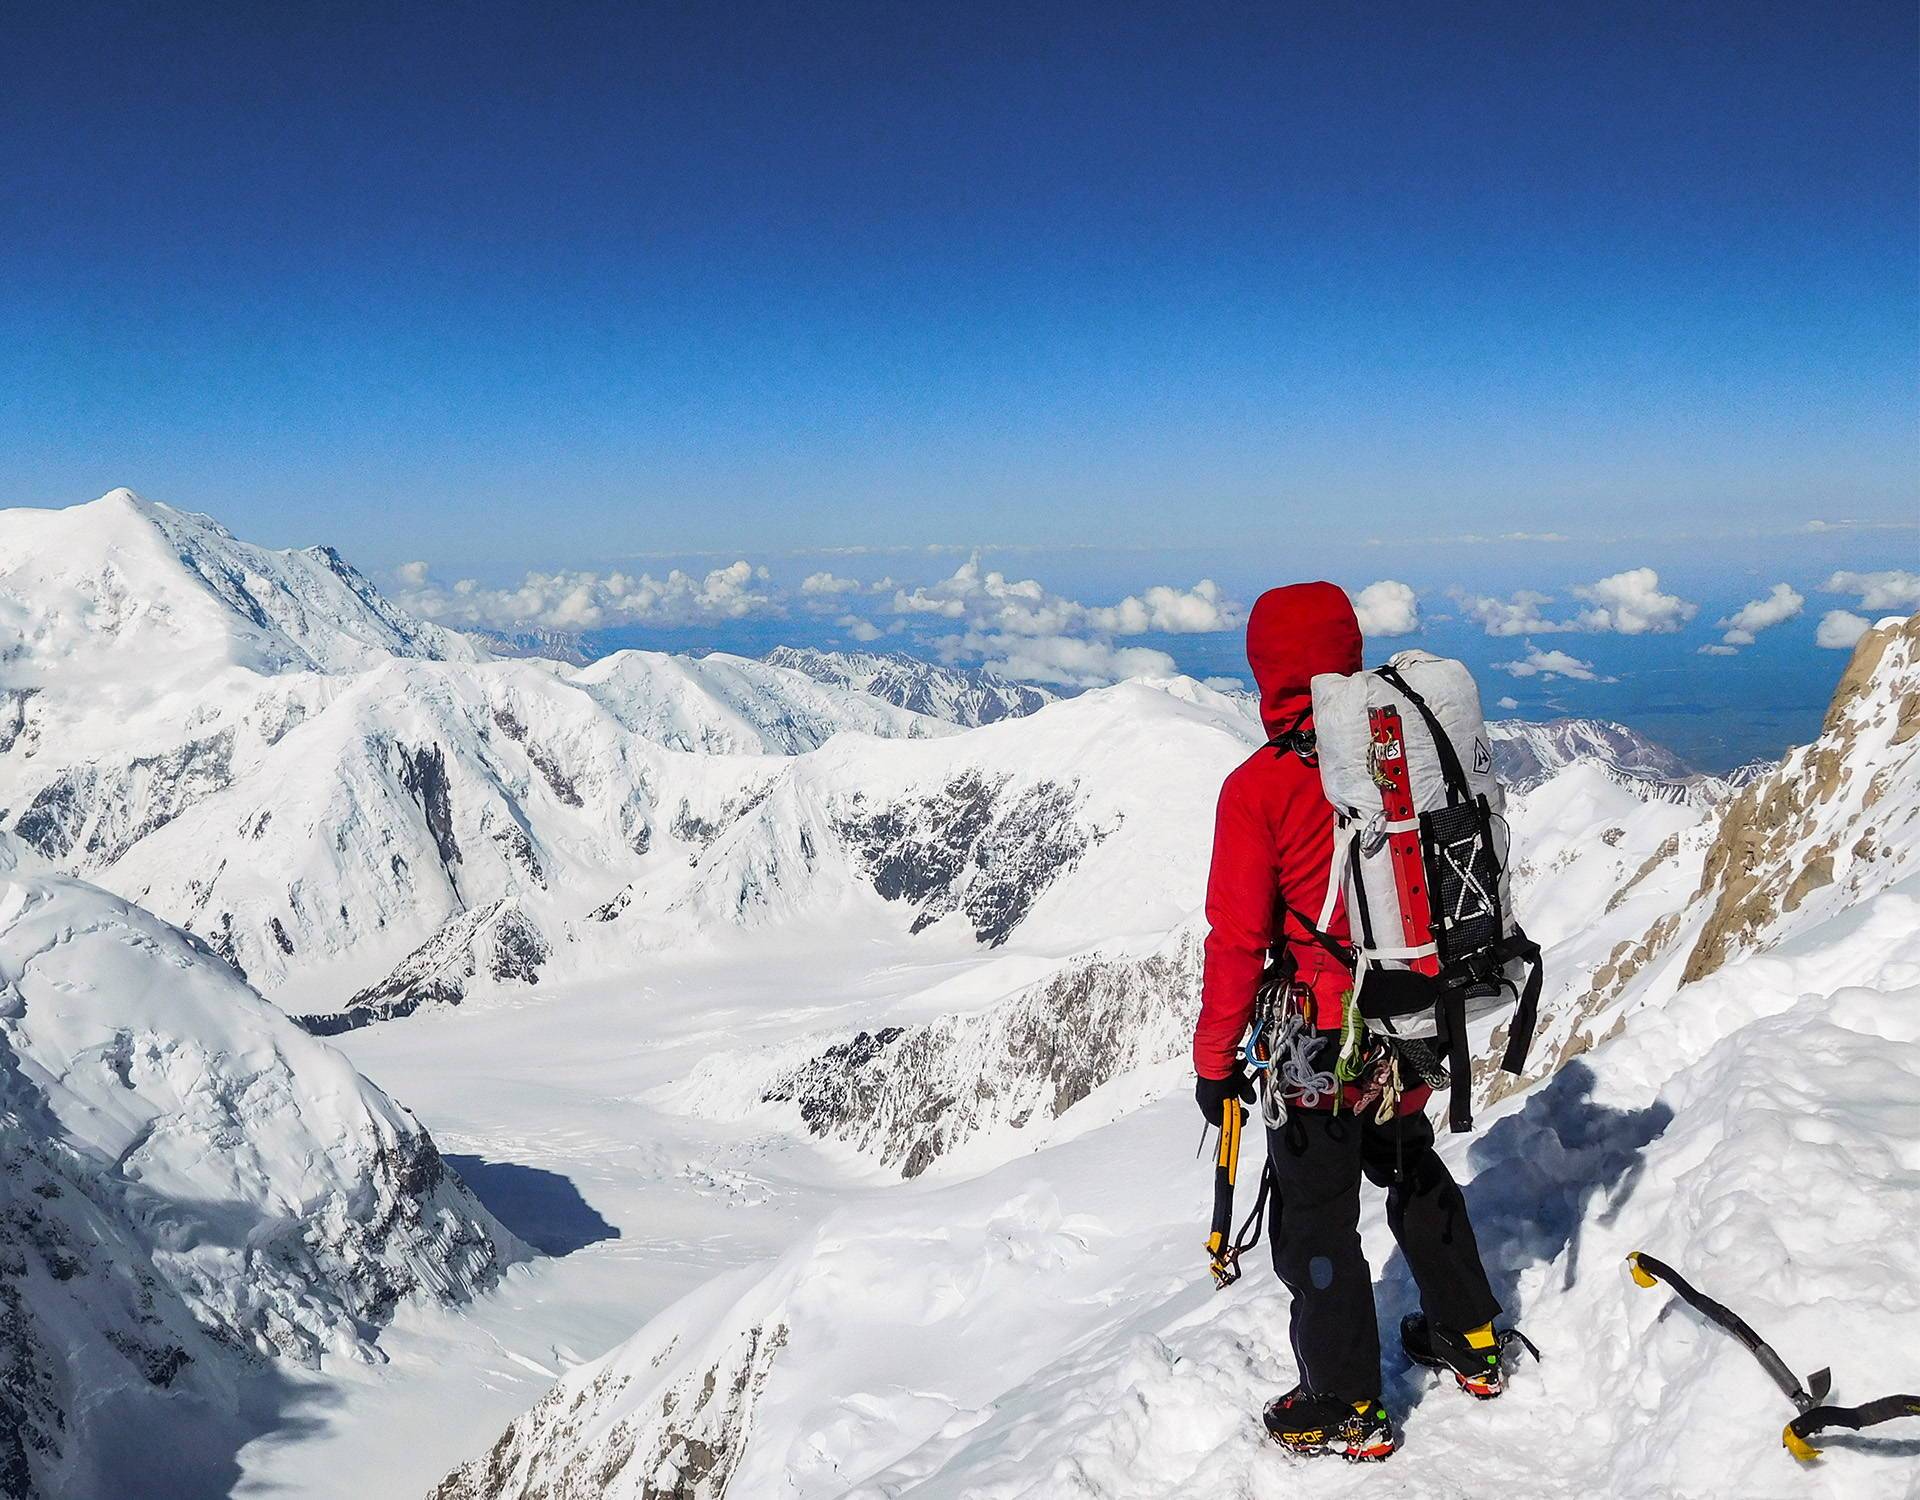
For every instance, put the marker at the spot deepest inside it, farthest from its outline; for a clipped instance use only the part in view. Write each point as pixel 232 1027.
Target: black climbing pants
pixel 1318 1160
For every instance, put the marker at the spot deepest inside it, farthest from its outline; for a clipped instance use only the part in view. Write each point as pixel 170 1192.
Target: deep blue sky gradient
pixel 1224 289
pixel 660 276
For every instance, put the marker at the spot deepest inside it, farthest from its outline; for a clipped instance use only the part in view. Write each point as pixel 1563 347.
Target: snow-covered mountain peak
pixel 119 579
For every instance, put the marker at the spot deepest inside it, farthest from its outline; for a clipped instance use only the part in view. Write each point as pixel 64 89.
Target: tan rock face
pixel 1771 855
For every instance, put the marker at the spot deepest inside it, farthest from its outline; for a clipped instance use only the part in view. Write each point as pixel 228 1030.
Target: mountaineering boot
pixel 1304 1423
pixel 1474 1357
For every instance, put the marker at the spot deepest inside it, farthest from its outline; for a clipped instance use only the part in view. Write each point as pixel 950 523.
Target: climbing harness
pixel 1809 1400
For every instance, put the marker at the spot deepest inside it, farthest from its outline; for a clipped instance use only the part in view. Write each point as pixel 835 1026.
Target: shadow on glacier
pixel 1539 1177
pixel 187 1447
pixel 543 1208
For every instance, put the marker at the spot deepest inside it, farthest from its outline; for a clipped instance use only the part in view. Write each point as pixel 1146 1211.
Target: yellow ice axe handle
pixel 1222 1259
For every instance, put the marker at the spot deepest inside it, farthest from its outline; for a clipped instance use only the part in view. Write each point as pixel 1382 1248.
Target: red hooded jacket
pixel 1273 832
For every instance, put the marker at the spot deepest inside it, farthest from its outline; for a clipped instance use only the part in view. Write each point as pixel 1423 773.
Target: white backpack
pixel 1420 851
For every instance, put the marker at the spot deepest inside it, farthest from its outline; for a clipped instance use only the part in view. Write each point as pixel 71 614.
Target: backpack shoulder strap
pixel 1297 739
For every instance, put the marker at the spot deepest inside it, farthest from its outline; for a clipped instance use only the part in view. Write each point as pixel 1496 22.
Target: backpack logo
pixel 1482 757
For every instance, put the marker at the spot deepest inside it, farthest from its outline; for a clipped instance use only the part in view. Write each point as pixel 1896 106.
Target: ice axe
pixel 1809 1399
pixel 1223 1256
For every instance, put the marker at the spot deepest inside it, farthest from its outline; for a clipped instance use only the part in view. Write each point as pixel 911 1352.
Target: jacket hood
pixel 1293 634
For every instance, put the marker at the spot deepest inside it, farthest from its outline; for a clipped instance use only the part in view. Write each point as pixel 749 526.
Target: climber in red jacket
pixel 1272 843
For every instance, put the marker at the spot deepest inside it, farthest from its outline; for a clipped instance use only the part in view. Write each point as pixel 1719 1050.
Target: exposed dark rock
pixel 969 848
pixel 423 773
pixel 497 940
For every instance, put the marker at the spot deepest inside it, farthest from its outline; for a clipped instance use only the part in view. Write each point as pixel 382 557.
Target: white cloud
pixel 1508 703
pixel 1066 660
pixel 1195 611
pixel 991 602
pixel 1891 589
pixel 1518 614
pixel 828 584
pixel 1551 664
pixel 581 600
pixel 861 630
pixel 412 574
pixel 1851 525
pixel 1387 608
pixel 1840 630
pixel 1629 603
pixel 1782 602
pixel 1632 604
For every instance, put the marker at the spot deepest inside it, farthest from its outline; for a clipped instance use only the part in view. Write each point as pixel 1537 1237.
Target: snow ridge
pixel 959 695
pixel 184 1151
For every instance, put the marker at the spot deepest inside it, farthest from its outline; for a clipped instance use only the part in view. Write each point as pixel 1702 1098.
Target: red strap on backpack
pixel 1389 766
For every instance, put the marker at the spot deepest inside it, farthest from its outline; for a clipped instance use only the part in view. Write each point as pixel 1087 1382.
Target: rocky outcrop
pixel 1840 812
pixel 959 695
pixel 971 847
pixel 498 943
pixel 682 1443
pixel 911 1095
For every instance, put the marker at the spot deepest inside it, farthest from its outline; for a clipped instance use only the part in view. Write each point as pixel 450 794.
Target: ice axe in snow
pixel 1809 1399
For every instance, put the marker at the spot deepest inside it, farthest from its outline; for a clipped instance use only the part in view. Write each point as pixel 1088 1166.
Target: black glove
pixel 1211 1094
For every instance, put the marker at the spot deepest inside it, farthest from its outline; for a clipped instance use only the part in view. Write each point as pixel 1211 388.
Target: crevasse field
pixel 732 1081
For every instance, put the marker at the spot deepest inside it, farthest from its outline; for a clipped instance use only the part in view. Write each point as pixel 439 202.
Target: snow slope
pixel 1087 820
pixel 1835 822
pixel 1064 1341
pixel 1747 1114
pixel 193 1186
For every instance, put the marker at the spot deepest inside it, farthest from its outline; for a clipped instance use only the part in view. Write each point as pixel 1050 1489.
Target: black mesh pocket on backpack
pixel 1463 878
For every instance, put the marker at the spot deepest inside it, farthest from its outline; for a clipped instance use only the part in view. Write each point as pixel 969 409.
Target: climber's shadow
pixel 1536 1178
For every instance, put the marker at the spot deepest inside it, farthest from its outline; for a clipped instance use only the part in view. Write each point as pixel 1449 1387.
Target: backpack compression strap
pixel 1451 771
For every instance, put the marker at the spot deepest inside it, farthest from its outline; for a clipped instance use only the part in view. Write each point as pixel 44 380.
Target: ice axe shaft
pixel 1222 1258
pixel 1814 1416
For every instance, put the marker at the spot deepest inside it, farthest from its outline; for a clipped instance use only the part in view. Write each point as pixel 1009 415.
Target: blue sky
pixel 1156 293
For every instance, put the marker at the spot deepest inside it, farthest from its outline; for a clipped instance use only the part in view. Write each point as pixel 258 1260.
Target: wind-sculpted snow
pixel 959 695
pixel 910 1096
